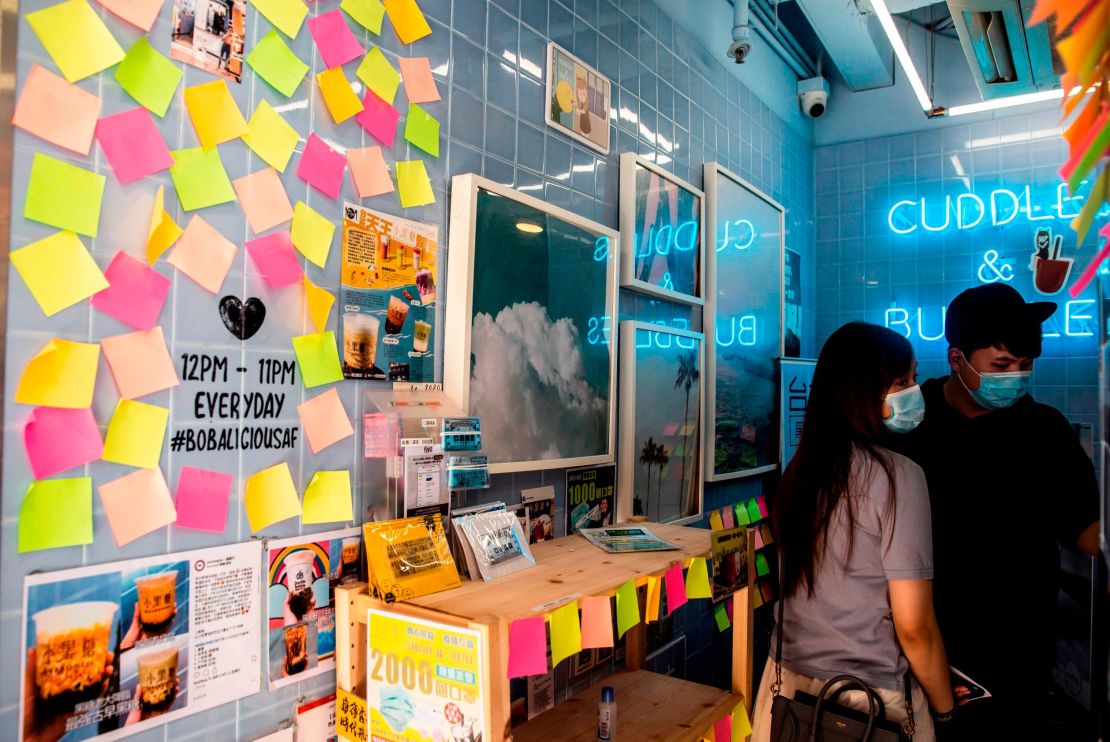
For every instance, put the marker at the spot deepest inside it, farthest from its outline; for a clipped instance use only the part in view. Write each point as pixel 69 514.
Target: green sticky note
pixel 741 514
pixel 63 195
pixel 200 179
pixel 311 233
pixel 366 13
pixel 56 512
pixel 697 579
pixel 276 63
pixel 413 185
pixel 721 614
pixel 270 137
pixel 628 607
pixel 379 75
pixel 148 77
pixel 422 129
pixel 566 633
pixel 76 39
pixel 761 567
pixel 286 15
pixel 754 515
pixel 318 357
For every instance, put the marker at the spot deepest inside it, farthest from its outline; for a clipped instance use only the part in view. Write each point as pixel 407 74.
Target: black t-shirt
pixel 1005 488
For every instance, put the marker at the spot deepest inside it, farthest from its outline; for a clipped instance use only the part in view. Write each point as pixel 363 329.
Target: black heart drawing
pixel 242 319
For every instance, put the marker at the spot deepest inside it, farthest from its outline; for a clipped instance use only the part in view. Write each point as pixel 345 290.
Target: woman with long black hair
pixel 853 530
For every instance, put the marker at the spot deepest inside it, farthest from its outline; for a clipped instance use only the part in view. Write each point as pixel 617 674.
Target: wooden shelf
pixel 650 708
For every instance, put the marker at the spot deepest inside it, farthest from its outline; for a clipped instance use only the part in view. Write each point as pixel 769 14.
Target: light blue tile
pixel 500 134
pixel 533 53
pixel 530 106
pixel 501 82
pixel 535 15
pixel 560 25
pixel 529 143
pixel 467 118
pixel 469 18
pixel 469 64
pixel 504 32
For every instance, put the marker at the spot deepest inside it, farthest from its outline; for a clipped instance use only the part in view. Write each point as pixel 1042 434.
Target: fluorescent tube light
pixel 903 54
pixel 1007 102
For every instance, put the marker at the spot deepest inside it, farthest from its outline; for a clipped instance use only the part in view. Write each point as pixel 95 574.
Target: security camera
pixel 740 50
pixel 813 94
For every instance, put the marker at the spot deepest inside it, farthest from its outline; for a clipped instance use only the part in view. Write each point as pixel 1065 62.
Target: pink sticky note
pixel 597 622
pixel 728 608
pixel 44 94
pixel 378 118
pixel 321 167
pixel 58 439
pixel 137 504
pixel 334 40
pixel 369 171
pixel 263 199
pixel 527 647
pixel 761 503
pixel 202 498
pixel 140 363
pixel 758 538
pixel 1092 267
pixel 276 259
pixel 203 254
pixel 135 294
pixel 325 420
pixel 676 588
pixel 133 145
pixel 722 729
pixel 141 13
pixel 420 86
pixel 728 518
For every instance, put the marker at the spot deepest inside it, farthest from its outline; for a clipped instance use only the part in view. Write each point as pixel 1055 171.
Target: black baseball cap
pixel 995 314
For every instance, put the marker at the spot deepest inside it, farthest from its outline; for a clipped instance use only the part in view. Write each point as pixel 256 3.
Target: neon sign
pixel 601 249
pixel 741 330
pixel 914 325
pixel 662 239
pixel 744 237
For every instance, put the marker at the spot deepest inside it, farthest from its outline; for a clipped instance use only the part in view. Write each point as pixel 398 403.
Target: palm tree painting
pixel 688 375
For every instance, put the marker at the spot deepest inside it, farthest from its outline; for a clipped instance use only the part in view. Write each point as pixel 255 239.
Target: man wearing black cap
pixel 1008 481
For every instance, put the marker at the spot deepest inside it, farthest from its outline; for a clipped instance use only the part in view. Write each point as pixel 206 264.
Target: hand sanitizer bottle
pixel 607 716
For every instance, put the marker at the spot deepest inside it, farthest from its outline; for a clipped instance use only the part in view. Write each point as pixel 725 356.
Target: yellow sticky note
pixel 214 113
pixel 58 271
pixel 76 39
pixel 163 230
pixel 324 420
pixel 628 607
pixel 137 504
pixel 366 13
pixel 741 724
pixel 566 633
pixel 697 579
pixel 327 499
pixel 263 199
pixel 318 302
pixel 136 434
pixel 270 137
pixel 651 607
pixel 413 185
pixel 286 15
pixel 270 497
pixel 312 233
pixel 140 362
pixel 407 20
pixel 318 358
pixel 715 522
pixel 62 374
pixel 64 196
pixel 56 512
pixel 379 75
pixel 340 99
pixel 200 179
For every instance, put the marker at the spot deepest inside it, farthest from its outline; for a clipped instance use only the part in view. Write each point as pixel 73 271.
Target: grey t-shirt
pixel 846 627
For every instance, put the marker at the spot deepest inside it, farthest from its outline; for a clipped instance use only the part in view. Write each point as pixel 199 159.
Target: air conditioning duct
pixel 1005 57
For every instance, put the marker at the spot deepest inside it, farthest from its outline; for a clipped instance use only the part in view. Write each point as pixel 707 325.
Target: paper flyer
pixel 619 539
pixel 316 720
pixel 119 648
pixel 590 497
pixel 300 588
pixel 730 561
pixel 387 296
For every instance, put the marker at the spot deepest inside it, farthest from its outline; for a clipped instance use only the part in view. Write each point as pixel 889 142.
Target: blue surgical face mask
pixel 997 391
pixel 907 410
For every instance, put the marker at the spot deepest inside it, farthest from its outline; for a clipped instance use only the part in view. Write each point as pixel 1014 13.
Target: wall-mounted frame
pixel 662 220
pixel 530 340
pixel 744 275
pixel 578 99
pixel 659 452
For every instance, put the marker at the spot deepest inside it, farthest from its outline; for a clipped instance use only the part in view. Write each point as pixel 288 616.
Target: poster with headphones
pixel 578 99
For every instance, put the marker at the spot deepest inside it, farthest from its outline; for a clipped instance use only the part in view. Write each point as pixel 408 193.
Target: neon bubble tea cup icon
pixel 1049 276
pixel 71 651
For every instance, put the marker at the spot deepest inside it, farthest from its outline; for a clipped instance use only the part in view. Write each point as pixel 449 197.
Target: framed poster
pixel 590 494
pixel 796 378
pixel 792 305
pixel 577 99
pixel 744 274
pixel 662 239
pixel 660 431
pixel 528 343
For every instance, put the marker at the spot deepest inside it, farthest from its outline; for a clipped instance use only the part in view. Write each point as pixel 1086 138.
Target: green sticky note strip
pixel 366 13
pixel 270 137
pixel 56 512
pixel 276 63
pixel 318 358
pixel 64 196
pixel 76 39
pixel 413 186
pixel 721 614
pixel 566 633
pixel 1095 199
pixel 753 511
pixel 761 567
pixel 697 579
pixel 286 15
pixel 379 75
pixel 741 514
pixel 148 77
pixel 200 179
pixel 628 607
pixel 422 129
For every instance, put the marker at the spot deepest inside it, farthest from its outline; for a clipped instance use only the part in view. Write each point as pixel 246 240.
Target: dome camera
pixel 813 95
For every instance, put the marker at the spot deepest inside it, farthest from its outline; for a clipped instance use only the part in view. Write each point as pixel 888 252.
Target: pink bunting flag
pixel 527 647
pixel 1092 268
pixel 722 729
pixel 676 588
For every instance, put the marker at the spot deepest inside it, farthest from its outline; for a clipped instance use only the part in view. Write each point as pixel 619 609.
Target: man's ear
pixel 954 359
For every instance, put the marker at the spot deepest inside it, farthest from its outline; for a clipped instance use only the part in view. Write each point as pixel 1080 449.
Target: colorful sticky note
pixel 422 130
pixel 597 622
pixel 754 516
pixel 697 579
pixel 762 568
pixel 369 171
pixel 276 63
pixel 200 179
pixel 722 729
pixel 566 634
pixel 137 504
pixel 1089 273
pixel 148 77
pixel 163 230
pixel 715 522
pixel 43 95
pixel 651 607
pixel 58 271
pixel 413 185
pixel 407 20
pixel 741 724
pixel 728 517
pixel 720 613
pixel 62 374
pixel 132 144
pixel 327 499
pixel 275 258
pixel 263 199
pixel 334 40
pixel 366 13
pixel 758 538
pixel 379 118
pixel 742 518
pixel 56 440
pixel 527 647
pixel 420 86
pixel 214 113
pixel 318 302
pixel 321 167
pixel 270 137
pixel 628 607
pixel 136 293
pixel 676 588
pixel 270 497
pixel 379 75
pixel 324 420
pixel 76 39
pixel 761 505
pixel 338 95
pixel 203 254
pixel 202 498
pixel 141 13
pixel 136 434
pixel 140 362
pixel 285 15
pixel 318 358
pixel 56 512
pixel 63 195
pixel 312 233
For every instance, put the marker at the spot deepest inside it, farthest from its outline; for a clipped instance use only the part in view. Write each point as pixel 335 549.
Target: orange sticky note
pixel 420 86
pixel 408 21
pixel 318 302
pixel 44 94
pixel 263 199
pixel 137 504
pixel 62 374
pixel 215 116
pixel 141 13
pixel 370 173
pixel 203 254
pixel 651 608
pixel 163 230
pixel 140 363
pixel 340 98
pixel 324 420
pixel 597 622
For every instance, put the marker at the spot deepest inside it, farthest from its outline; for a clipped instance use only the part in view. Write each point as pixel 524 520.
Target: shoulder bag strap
pixel 776 686
pixel 910 726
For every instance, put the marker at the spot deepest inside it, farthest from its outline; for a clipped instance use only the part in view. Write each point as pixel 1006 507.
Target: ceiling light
pixel 1007 102
pixel 529 227
pixel 903 54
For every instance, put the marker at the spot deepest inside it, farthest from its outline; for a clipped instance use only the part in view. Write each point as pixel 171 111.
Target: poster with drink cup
pixel 388 296
pixel 300 586
pixel 115 649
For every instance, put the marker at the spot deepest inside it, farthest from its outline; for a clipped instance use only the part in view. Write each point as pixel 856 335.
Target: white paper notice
pixel 316 720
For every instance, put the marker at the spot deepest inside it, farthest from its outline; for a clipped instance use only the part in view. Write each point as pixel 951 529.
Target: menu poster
pixel 316 720
pixel 387 296
pixel 423 680
pixel 590 497
pixel 730 561
pixel 118 648
pixel 300 590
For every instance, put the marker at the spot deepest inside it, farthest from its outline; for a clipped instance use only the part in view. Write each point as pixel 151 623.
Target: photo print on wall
pixel 210 35
pixel 578 99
